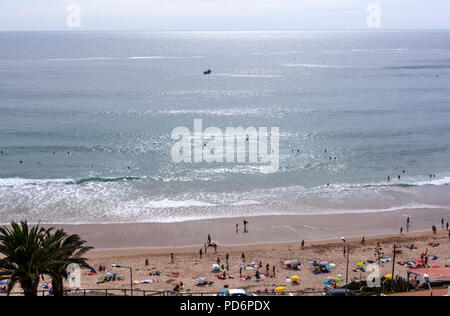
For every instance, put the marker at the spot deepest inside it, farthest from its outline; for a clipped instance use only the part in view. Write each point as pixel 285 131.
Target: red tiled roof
pixel 438 273
pixel 440 292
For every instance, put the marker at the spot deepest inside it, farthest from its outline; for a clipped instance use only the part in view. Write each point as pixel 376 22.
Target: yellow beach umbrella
pixel 388 276
pixel 295 279
pixel 280 288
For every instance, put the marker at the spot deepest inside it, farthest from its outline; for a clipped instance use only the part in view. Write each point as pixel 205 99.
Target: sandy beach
pixel 270 240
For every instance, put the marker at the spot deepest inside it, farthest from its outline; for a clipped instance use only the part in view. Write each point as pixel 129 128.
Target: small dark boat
pixel 207 72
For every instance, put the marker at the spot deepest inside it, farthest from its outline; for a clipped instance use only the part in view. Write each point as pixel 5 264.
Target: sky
pixel 187 15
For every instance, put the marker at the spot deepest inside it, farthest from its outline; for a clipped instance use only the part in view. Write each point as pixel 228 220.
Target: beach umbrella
pixel 324 263
pixel 419 261
pixel 280 288
pixel 337 281
pixel 360 264
pixel 295 278
pixel 3 282
pixel 388 276
pixel 332 265
pixel 326 282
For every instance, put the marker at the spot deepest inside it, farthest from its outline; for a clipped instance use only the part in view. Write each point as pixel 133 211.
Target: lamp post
pixel 427 279
pixel 393 262
pixel 131 274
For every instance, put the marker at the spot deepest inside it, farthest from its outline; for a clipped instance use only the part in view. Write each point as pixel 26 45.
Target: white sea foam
pixel 17 182
pixel 80 59
pixel 166 57
pixel 174 204
pixel 319 66
pixel 248 75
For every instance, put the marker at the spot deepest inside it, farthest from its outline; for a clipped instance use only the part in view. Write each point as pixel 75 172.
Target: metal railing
pixel 139 292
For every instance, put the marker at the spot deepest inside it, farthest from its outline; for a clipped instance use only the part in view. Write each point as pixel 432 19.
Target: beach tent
pixel 201 281
pixel 291 262
pixel 215 268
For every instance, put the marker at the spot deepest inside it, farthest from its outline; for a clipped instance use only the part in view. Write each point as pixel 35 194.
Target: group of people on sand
pixel 433 228
pixel 258 275
pixel 245 227
pixel 207 244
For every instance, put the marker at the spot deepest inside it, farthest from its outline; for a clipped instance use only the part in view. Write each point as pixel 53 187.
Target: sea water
pixel 86 120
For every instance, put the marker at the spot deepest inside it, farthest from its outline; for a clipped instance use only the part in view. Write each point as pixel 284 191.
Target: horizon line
pixel 229 30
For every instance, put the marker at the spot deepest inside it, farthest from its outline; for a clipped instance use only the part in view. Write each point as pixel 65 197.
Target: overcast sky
pixel 223 14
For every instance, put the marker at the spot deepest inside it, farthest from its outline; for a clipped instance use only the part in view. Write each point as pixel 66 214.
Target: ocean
pixel 86 121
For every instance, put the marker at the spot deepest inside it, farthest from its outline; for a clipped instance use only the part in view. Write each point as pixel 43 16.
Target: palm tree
pixel 66 249
pixel 25 257
pixel 30 253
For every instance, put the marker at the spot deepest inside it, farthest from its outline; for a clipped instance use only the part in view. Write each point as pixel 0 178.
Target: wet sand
pixel 264 229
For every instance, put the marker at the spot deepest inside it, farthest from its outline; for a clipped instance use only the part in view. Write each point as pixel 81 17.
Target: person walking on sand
pixel 243 257
pixel 447 226
pixel 442 223
pixel 209 238
pixel 201 252
pixel 303 244
pixel 172 260
pixel 401 230
pixel 363 241
pixel 434 229
pixel 273 270
pixel 245 224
